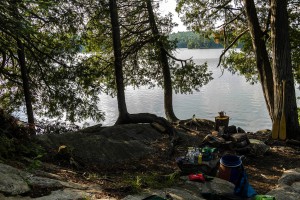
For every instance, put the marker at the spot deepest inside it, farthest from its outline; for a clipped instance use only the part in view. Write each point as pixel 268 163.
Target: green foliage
pixel 298 110
pixel 213 17
pixel 153 180
pixel 55 127
pixel 13 147
pixel 66 84
pixel 295 39
pixel 192 40
pixel 36 163
pixel 243 64
pixel 190 77
pixel 141 57
pixel 51 34
pixel 7 147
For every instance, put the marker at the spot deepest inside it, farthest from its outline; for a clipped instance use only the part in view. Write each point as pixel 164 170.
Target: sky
pixel 167 6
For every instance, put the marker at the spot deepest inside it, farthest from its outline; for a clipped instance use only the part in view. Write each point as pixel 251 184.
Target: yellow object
pixel 200 159
pixel 61 147
pixel 282 130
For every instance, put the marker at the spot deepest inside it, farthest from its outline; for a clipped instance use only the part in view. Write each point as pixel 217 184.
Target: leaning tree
pixel 146 52
pixel 263 26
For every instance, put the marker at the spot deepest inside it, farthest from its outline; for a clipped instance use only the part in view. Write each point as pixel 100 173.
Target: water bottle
pixel 196 155
pixel 200 158
pixel 190 154
pixel 264 197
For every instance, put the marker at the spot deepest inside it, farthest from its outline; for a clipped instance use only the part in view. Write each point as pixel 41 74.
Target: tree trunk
pixel 123 113
pixel 26 87
pixel 271 76
pixel 163 57
pixel 282 67
pixel 124 116
pixel 262 58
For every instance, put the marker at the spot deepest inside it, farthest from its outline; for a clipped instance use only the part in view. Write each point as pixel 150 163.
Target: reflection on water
pixel 244 103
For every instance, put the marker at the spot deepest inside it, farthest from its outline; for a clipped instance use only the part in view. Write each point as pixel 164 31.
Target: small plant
pixel 154 180
pixel 36 163
pixel 7 147
pixel 137 184
pixel 92 176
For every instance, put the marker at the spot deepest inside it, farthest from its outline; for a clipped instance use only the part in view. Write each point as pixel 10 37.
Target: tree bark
pixel 262 58
pixel 26 87
pixel 282 67
pixel 163 57
pixel 123 113
pixel 271 76
pixel 124 116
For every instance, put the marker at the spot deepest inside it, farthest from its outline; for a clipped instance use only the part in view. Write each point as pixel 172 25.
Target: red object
pixel 196 177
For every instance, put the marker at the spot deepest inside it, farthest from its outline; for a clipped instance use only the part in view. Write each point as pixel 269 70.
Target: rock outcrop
pixel 102 146
pixel 288 186
pixel 16 184
pixel 214 189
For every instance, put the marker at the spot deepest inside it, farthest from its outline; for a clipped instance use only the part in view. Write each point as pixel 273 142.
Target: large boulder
pixel 214 189
pixel 217 186
pixel 12 180
pixel 175 193
pixel 105 145
pixel 288 186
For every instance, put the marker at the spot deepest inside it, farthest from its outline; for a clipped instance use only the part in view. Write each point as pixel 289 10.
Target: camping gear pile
pixel 202 164
pixel 217 156
pixel 198 159
pixel 231 138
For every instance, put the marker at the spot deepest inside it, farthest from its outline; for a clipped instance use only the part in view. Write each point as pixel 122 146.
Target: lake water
pixel 244 103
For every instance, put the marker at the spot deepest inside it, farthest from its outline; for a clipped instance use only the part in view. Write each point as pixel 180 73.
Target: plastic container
pixel 264 197
pixel 191 154
pixel 230 168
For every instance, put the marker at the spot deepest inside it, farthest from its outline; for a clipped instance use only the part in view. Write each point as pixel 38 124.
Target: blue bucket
pixel 230 168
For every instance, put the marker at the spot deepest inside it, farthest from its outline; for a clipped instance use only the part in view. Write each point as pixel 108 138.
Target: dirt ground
pixel 265 171
pixel 123 179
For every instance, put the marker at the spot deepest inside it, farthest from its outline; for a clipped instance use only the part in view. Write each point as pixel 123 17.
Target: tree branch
pixel 230 45
pixel 3 59
pixel 225 24
pixel 174 58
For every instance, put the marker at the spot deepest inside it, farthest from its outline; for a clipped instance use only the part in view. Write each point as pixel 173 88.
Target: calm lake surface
pixel 244 103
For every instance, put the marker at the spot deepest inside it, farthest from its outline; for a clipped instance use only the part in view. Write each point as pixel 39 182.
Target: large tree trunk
pixel 26 87
pixel 271 76
pixel 163 57
pixel 124 116
pixel 282 67
pixel 262 58
pixel 123 113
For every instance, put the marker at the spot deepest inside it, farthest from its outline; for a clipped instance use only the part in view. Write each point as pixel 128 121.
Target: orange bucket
pixel 230 168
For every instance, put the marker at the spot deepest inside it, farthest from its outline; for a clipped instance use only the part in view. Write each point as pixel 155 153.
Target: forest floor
pixel 124 179
pixel 159 170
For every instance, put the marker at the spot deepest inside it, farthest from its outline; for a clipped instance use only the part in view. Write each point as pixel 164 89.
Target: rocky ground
pixel 125 161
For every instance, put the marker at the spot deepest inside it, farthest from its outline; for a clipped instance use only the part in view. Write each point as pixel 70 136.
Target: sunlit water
pixel 244 103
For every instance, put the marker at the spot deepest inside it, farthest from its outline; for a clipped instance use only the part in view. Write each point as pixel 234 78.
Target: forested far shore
pixel 192 40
